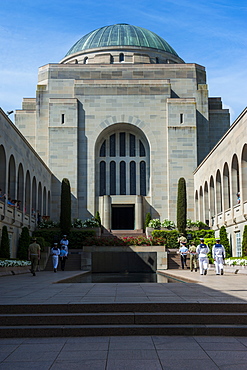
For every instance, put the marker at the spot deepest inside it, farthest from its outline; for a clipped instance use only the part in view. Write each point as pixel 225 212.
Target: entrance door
pixel 123 217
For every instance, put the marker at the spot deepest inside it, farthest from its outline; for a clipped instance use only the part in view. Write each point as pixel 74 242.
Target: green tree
pixel 225 241
pixel 244 242
pixel 24 242
pixel 97 218
pixel 181 206
pixel 5 247
pixel 147 219
pixel 65 215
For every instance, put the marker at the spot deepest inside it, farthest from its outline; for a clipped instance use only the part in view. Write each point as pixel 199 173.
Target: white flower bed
pixel 13 263
pixel 236 262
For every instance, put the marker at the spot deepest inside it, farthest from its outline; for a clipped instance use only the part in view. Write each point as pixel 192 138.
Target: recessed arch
pixel 226 187
pixel 212 196
pixel 244 173
pixel 34 196
pixel 218 192
pixel 206 203
pixel 20 185
pixel 235 178
pixel 3 167
pixel 28 193
pixel 12 178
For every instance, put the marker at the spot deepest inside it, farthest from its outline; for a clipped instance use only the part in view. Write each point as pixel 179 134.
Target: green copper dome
pixel 121 35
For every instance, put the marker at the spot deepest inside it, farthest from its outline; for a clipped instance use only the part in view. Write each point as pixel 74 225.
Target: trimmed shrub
pixel 5 246
pixel 24 242
pixel 76 236
pixel 170 236
pixel 225 241
pixel 181 206
pixel 65 215
pixel 244 242
pixel 147 219
pixel 97 218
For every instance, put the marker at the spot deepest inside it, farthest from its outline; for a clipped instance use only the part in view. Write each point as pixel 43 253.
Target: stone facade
pixel 148 94
pixel 24 177
pixel 220 180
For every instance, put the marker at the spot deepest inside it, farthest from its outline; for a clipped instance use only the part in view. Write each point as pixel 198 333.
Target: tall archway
pixel 122 161
pixel 206 204
pixel 12 178
pixel 196 206
pixel 20 186
pixel 3 168
pixel 212 197
pixel 235 178
pixel 226 187
pixel 28 194
pixel 218 193
pixel 34 196
pixel 244 173
pixel 44 202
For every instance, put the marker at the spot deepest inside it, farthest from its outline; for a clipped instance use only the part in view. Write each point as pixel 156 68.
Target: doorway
pixel 123 217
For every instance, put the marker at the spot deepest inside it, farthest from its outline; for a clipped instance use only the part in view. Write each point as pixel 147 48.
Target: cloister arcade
pixel 25 183
pixel 221 184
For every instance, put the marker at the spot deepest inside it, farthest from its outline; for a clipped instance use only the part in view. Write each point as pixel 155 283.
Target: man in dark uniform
pixel 34 255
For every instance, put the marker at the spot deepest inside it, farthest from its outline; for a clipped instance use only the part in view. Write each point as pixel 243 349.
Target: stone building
pixel 123 117
pixel 221 184
pixel 24 178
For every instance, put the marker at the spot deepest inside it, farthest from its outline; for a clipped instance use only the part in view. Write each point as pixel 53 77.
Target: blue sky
pixel 210 33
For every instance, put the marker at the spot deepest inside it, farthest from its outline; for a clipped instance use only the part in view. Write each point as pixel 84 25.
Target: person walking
pixel 55 252
pixel 193 257
pixel 34 255
pixel 183 250
pixel 218 254
pixel 64 242
pixel 63 257
pixel 202 250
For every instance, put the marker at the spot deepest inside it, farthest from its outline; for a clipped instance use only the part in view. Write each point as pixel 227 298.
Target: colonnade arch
pixel 224 188
pixel 19 186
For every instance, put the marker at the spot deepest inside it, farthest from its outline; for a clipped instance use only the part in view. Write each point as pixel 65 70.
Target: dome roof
pixel 121 35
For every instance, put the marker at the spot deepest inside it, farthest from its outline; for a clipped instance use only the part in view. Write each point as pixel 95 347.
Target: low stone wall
pixel 121 258
pixel 14 270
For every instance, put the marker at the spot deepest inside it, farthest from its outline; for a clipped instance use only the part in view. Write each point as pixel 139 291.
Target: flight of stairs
pixel 73 263
pixel 94 319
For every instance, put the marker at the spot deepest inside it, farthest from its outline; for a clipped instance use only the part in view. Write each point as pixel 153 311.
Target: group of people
pixel 200 253
pixel 56 253
pixel 60 253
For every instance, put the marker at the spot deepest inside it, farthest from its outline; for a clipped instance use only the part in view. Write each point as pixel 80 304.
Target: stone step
pixel 120 330
pixel 73 263
pixel 77 308
pixel 185 318
pixel 123 318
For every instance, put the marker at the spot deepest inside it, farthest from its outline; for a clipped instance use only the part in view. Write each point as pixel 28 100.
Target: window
pixel 238 245
pixel 123 165
pixel 121 57
pixel 63 119
pixel 85 61
pixel 181 118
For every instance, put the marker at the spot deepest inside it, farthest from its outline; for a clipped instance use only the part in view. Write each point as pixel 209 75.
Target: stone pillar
pixel 138 212
pixel 107 212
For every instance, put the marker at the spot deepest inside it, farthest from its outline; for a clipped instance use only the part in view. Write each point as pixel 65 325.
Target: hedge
pixel 171 236
pixel 75 237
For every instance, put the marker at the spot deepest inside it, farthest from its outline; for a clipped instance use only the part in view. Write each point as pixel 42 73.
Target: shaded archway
pixel 235 179
pixel 12 178
pixel 3 167
pixel 244 173
pixel 20 186
pixel 218 193
pixel 226 187
pixel 212 197
pixel 28 194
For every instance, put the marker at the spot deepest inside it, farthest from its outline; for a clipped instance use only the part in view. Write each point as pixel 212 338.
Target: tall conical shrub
pixel 244 242
pixel 225 241
pixel 24 241
pixel 65 215
pixel 147 219
pixel 5 246
pixel 97 218
pixel 181 206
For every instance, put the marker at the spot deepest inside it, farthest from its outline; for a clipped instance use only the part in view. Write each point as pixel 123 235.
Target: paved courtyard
pixel 120 353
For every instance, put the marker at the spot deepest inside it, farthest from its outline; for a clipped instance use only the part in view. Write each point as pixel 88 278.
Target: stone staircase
pixel 92 319
pixel 73 262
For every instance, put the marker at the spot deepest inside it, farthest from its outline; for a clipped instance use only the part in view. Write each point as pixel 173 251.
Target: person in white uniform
pixel 218 254
pixel 202 250
pixel 64 243
pixel 55 252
